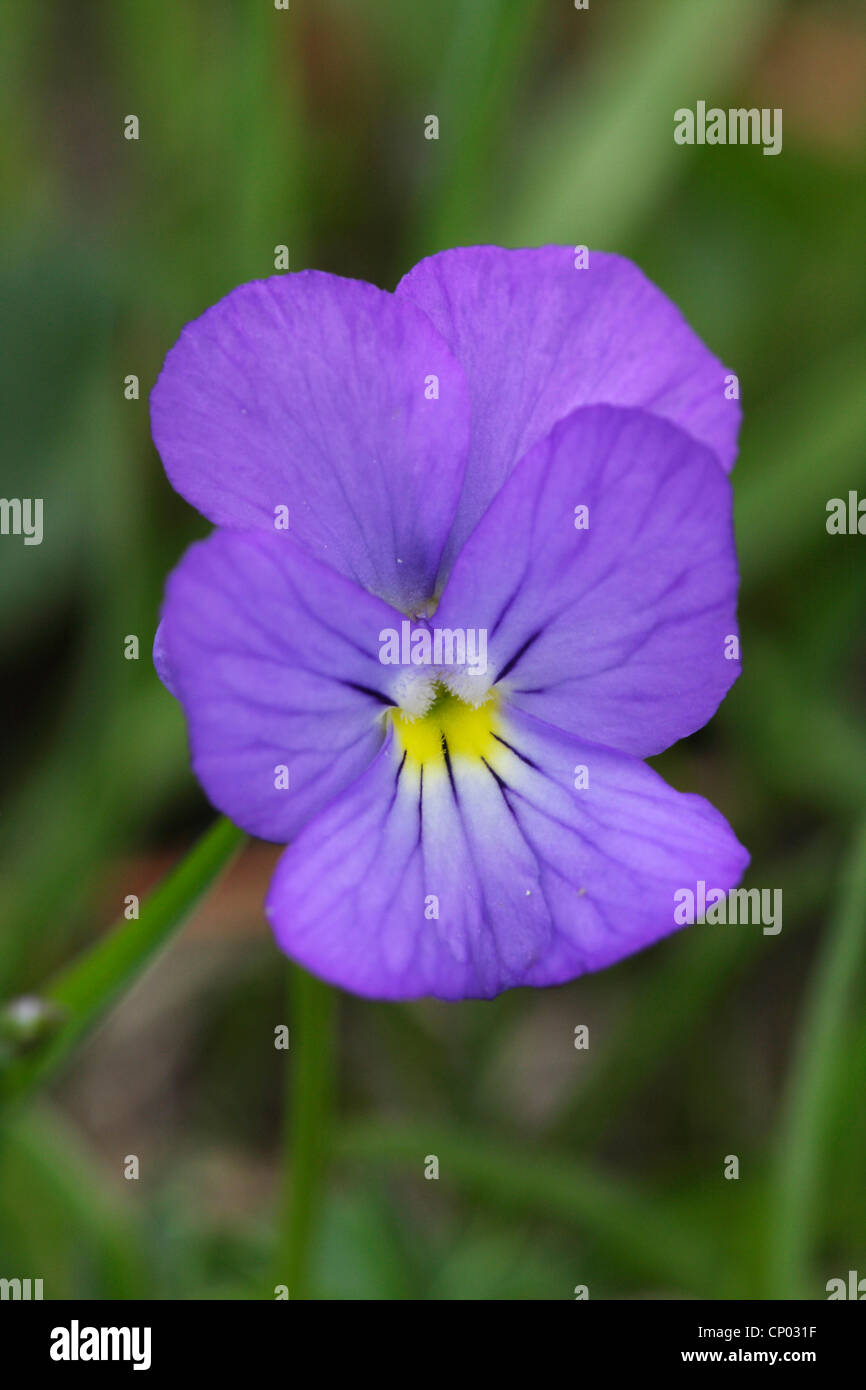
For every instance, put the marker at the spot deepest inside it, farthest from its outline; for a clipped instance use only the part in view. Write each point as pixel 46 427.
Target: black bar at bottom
pixel 85 1338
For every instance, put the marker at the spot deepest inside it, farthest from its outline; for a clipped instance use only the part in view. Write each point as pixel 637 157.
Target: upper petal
pixel 623 631
pixel 537 338
pixel 466 879
pixel 317 394
pixel 273 657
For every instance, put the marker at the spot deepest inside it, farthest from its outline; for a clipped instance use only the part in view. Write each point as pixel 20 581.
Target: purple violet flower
pixel 474 561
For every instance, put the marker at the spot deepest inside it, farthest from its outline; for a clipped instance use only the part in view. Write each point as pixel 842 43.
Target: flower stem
pixel 70 1005
pixel 308 1126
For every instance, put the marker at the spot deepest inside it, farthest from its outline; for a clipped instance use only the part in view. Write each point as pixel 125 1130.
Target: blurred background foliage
pixel 558 1167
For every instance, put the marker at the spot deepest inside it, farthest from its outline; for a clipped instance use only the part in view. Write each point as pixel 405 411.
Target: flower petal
pixel 537 338
pixel 273 657
pixel 624 632
pixel 310 392
pixel 465 879
pixel 160 661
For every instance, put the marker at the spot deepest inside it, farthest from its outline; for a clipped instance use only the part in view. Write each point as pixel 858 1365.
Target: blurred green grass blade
pixel 484 1264
pixel 604 155
pixel 307 1132
pixel 51 862
pixel 820 1046
pixel 96 749
pixel 800 448
pixel 490 46
pixel 58 1213
pixel 272 135
pixel 86 990
pixel 232 147
pixel 637 1233
pixel 766 727
pixel 365 1250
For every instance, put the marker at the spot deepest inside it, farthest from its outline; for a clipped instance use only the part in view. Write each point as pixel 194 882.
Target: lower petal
pixel 461 877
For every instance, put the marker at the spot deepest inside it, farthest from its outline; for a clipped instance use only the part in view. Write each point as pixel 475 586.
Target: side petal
pixel 160 661
pixel 273 658
pixel 537 338
pixel 331 399
pixel 464 879
pixel 617 622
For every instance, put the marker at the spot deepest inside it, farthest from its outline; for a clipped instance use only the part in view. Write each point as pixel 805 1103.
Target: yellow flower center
pixel 467 731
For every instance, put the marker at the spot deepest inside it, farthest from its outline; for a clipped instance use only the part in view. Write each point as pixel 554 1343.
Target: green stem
pixel 802 1131
pixel 308 1126
pixel 55 1021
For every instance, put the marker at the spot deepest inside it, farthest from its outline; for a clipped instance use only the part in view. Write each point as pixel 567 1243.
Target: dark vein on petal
pixel 368 690
pixel 503 787
pixel 507 605
pixel 449 769
pixel 521 651
pixel 516 751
